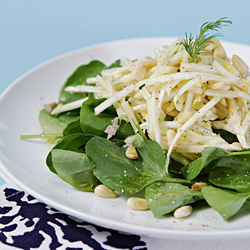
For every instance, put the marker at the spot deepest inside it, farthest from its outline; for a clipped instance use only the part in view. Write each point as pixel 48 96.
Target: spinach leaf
pixel 224 201
pixel 232 172
pixel 175 167
pixel 74 112
pixel 73 128
pixel 125 130
pixel 137 141
pixel 227 136
pixel 95 124
pixel 193 169
pixel 114 169
pixel 164 198
pixel 116 64
pixel 78 78
pixel 51 124
pixel 209 158
pixel 74 142
pixel 74 168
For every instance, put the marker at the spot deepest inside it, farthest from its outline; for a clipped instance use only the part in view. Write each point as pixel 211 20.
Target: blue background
pixel 32 32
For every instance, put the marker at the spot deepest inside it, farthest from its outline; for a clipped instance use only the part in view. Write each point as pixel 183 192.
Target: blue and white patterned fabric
pixel 27 223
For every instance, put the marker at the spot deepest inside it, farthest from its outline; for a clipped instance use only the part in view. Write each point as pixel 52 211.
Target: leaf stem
pixel 56 135
pixel 139 129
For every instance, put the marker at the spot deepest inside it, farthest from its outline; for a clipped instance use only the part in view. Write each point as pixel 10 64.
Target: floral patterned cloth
pixel 26 223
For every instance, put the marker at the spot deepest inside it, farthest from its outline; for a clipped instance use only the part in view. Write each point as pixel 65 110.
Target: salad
pixel 176 127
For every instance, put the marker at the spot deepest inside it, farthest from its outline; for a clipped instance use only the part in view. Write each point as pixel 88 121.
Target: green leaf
pixel 193 169
pixel 114 169
pixel 79 77
pixel 232 172
pixel 73 128
pixel 164 198
pixel 226 202
pixel 51 124
pixel 74 168
pixel 227 136
pixel 116 64
pixel 74 142
pixel 175 167
pixel 95 124
pixel 138 141
pixel 124 130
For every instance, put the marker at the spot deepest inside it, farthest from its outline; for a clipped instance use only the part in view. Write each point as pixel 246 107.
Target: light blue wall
pixel 32 31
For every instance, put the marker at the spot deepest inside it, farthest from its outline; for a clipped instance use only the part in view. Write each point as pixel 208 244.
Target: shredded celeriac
pixel 159 92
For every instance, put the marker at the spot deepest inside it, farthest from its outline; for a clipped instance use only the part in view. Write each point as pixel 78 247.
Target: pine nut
pixel 51 105
pixel 41 108
pixel 210 46
pixel 138 72
pixel 198 185
pixel 104 191
pixel 237 144
pixel 219 53
pixel 184 117
pixel 240 65
pixel 183 212
pixel 137 203
pixel 217 86
pixel 131 153
pixel 170 135
pixel 148 62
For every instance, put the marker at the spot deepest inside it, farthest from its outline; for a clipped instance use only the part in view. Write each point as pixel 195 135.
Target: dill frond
pixel 197 45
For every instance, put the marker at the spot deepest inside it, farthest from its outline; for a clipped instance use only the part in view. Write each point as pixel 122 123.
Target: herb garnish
pixel 197 45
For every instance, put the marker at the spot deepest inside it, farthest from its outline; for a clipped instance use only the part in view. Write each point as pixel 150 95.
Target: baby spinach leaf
pixel 74 168
pixel 51 124
pixel 232 172
pixel 164 198
pixel 116 64
pixel 124 130
pixel 74 142
pixel 73 128
pixel 74 112
pixel 227 136
pixel 137 141
pixel 175 166
pixel 193 169
pixel 224 201
pixel 210 156
pixel 114 169
pixel 79 77
pixel 95 124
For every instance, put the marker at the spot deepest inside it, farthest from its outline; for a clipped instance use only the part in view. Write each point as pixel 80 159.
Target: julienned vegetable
pixel 185 112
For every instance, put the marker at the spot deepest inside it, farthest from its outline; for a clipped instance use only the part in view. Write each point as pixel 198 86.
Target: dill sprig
pixel 197 45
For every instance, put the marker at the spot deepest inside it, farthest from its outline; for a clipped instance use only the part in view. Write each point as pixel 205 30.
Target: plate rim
pixel 241 233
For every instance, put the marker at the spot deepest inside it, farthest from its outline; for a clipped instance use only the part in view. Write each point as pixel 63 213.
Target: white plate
pixel 24 160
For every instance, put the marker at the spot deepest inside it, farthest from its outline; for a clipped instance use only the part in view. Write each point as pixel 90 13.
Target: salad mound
pixel 185 111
